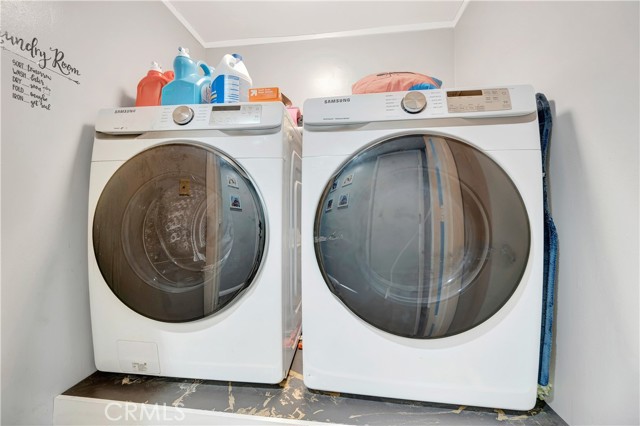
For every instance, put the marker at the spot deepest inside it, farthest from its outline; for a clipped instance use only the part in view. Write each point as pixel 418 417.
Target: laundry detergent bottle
pixel 232 81
pixel 188 85
pixel 150 87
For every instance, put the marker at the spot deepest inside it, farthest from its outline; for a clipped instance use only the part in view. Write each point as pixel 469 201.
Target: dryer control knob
pixel 414 102
pixel 182 115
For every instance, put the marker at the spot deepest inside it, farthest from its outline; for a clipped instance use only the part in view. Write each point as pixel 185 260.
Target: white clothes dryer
pixel 422 245
pixel 194 241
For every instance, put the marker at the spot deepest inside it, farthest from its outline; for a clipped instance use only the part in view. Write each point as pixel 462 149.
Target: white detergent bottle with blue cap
pixel 232 81
pixel 189 86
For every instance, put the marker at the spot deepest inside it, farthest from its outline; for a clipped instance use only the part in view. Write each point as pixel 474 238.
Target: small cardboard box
pixel 267 94
pixel 264 94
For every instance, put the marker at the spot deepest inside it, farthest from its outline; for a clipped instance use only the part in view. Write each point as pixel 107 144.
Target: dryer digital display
pixel 478 100
pixel 422 236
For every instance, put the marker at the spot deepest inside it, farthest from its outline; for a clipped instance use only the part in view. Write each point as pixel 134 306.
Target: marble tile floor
pixel 292 400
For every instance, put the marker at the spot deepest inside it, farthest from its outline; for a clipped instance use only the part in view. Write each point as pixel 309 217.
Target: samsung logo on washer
pixel 124 111
pixel 337 100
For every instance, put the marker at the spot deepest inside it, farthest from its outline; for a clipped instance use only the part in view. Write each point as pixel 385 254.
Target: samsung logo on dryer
pixel 124 111
pixel 337 100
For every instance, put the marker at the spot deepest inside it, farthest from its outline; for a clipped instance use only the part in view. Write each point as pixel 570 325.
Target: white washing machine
pixel 194 241
pixel 422 245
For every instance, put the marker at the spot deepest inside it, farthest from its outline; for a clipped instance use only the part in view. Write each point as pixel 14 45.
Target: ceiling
pixel 216 23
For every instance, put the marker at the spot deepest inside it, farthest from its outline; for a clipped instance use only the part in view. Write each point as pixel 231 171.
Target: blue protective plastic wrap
pixel 550 247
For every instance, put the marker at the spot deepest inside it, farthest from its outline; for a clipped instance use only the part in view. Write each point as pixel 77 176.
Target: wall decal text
pixel 33 69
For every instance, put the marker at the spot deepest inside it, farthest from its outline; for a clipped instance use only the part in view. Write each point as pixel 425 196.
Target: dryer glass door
pixel 422 236
pixel 179 232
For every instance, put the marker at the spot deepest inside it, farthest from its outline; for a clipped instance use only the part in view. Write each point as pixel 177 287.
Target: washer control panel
pixel 240 116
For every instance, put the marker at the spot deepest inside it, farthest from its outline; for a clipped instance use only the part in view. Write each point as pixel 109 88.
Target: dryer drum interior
pixel 179 232
pixel 422 236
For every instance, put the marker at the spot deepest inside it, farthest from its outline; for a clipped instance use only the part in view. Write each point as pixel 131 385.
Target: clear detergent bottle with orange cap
pixel 189 86
pixel 150 87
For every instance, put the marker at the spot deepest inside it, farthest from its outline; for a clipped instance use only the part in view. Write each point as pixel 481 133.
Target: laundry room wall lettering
pixel 33 69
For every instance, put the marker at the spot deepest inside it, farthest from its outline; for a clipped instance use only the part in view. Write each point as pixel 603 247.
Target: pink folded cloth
pixel 294 112
pixel 395 82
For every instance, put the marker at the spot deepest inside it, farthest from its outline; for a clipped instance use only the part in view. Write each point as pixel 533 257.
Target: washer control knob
pixel 414 102
pixel 182 115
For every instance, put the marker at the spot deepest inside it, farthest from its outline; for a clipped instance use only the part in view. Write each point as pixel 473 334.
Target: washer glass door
pixel 179 232
pixel 422 236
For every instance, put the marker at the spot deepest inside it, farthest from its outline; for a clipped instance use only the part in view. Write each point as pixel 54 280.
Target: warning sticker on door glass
pixel 235 203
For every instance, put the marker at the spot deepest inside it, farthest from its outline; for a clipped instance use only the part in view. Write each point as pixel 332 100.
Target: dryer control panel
pixel 500 101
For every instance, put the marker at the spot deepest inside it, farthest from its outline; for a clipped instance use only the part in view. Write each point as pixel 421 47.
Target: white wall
pixel 46 336
pixel 328 67
pixel 584 57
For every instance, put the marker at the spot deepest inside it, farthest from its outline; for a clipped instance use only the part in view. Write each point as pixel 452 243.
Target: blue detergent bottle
pixel 188 86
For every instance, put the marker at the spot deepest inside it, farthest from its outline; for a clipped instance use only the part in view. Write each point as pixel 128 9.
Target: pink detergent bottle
pixel 150 87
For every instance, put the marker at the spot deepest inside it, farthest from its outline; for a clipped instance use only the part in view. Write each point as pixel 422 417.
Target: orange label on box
pixel 264 94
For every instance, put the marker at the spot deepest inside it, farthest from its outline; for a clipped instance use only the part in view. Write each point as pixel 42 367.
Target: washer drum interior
pixel 179 232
